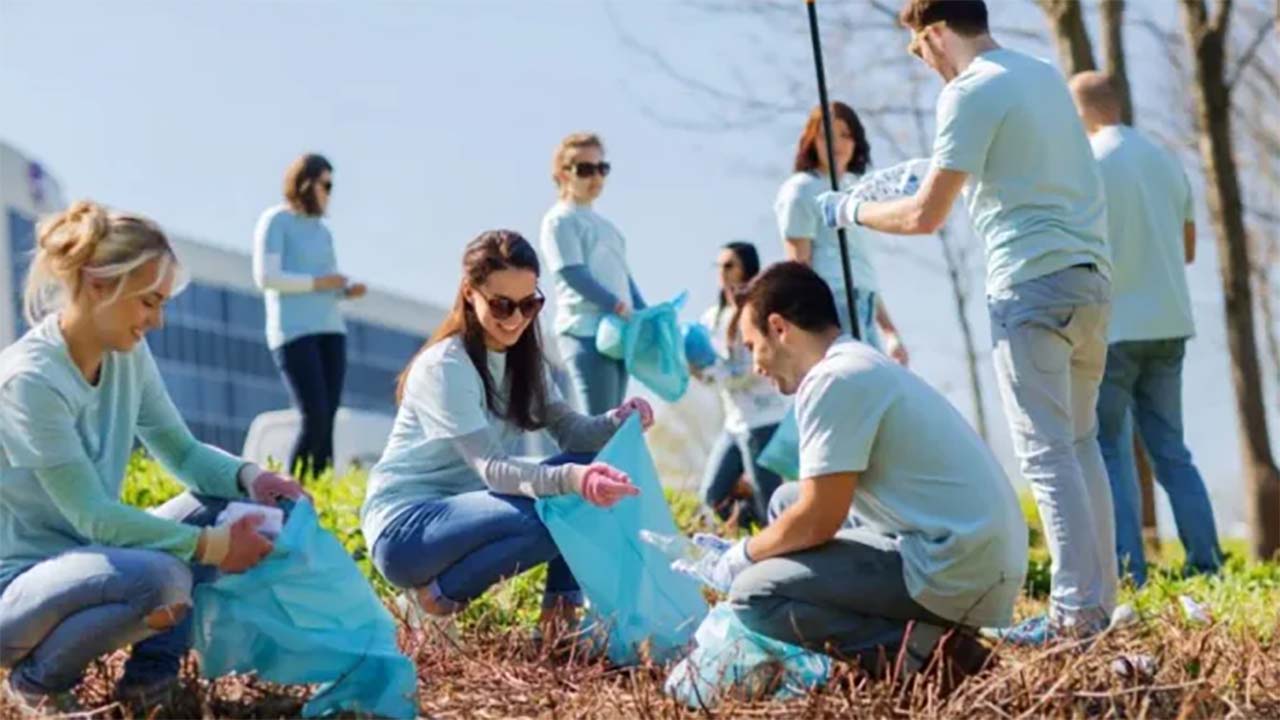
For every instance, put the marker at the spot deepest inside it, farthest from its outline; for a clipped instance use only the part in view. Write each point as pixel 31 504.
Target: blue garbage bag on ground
pixel 629 583
pixel 698 347
pixel 730 658
pixel 305 614
pixel 651 345
pixel 782 453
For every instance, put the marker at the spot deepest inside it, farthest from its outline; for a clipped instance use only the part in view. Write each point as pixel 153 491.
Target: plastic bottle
pixel 675 547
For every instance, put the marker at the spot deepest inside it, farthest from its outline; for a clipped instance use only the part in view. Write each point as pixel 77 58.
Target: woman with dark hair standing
pixel 753 407
pixel 807 239
pixel 448 512
pixel 295 267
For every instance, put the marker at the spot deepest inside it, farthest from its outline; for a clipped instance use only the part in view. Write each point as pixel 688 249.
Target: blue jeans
pixel 1143 382
pixel 460 546
pixel 865 302
pixel 66 611
pixel 1050 337
pixel 599 382
pixel 731 456
pixel 313 367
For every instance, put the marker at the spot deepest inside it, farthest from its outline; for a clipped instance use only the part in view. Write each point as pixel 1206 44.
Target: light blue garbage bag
pixel 305 614
pixel 782 453
pixel 698 346
pixel 629 584
pixel 730 658
pixel 651 345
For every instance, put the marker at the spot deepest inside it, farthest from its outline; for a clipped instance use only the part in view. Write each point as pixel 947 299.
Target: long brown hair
pixel 300 183
pixel 807 148
pixel 523 400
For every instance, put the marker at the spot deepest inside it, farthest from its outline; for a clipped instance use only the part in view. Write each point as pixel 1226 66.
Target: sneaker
pixel 431 627
pixel 146 697
pixel 42 705
pixel 1039 632
pixel 960 655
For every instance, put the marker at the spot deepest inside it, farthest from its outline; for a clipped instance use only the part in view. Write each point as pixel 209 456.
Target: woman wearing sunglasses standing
pixel 295 267
pixel 808 240
pixel 588 256
pixel 448 512
pixel 753 407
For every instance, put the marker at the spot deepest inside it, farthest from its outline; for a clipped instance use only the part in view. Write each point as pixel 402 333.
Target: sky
pixel 440 119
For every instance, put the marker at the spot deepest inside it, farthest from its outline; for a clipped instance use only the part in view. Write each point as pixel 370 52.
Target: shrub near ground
pixel 1229 666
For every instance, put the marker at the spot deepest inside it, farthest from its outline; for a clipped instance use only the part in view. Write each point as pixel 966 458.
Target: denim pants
pixel 732 456
pixel 1050 347
pixel 313 367
pixel 66 611
pixel 847 596
pixel 1143 383
pixel 599 382
pixel 460 546
pixel 865 302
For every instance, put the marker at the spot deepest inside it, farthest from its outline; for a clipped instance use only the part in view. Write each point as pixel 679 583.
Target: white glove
pixel 721 562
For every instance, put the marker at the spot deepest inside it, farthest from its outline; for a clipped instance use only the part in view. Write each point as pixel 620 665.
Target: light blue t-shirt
pixel 924 476
pixel 305 247
pixel 577 235
pixel 443 400
pixel 1034 191
pixel 57 428
pixel 1148 203
pixel 796 211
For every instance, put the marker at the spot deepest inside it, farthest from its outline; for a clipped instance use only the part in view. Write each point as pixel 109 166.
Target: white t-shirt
pixel 924 476
pixel 577 235
pixel 750 401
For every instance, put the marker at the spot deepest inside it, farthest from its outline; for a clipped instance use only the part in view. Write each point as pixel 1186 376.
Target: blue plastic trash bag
pixel 729 658
pixel 651 345
pixel 629 583
pixel 698 347
pixel 782 453
pixel 305 614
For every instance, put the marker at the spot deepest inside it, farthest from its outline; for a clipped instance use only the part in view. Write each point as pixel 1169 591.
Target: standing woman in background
pixel 295 267
pixel 588 257
pixel 808 240
pixel 753 407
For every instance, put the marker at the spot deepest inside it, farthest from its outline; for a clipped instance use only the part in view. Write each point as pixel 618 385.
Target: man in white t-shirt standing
pixel 1152 230
pixel 939 541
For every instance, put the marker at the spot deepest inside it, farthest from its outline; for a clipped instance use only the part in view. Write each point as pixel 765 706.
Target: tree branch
pixel 1250 53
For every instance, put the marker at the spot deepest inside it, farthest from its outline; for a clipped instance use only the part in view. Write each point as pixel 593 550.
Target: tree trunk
pixel 1207 39
pixel 1074 48
pixel 1113 54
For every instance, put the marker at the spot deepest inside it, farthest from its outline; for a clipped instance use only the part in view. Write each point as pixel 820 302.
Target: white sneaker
pixel 432 627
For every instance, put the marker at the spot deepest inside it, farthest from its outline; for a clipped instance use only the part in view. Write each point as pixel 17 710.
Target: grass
pixel 1229 666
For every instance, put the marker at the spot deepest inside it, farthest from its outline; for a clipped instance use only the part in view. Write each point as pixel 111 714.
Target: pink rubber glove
pixel 602 485
pixel 634 405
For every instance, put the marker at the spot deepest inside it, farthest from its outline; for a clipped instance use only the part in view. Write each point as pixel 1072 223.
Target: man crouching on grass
pixel 936 540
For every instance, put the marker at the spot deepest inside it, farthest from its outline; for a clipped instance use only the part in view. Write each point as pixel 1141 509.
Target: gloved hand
pixel 269 488
pixel 719 564
pixel 634 405
pixel 603 485
pixel 837 208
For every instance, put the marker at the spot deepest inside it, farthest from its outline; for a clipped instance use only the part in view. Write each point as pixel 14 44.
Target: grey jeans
pixel 846 597
pixel 1050 348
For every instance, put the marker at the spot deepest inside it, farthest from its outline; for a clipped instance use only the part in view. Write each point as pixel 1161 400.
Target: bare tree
pixel 1113 54
pixel 1075 51
pixel 1207 36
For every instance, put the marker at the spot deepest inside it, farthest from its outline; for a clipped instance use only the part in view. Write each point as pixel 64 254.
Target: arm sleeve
pixel 268 263
pixel 201 467
pixel 637 300
pixel 797 216
pixel 579 278
pixel 966 126
pixel 578 433
pixel 38 433
pixel 508 476
pixel 838 421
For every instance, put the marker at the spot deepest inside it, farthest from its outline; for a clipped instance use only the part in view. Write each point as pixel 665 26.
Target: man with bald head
pixel 1151 228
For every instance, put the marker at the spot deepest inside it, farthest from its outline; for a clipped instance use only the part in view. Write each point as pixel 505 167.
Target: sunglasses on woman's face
pixel 502 308
pixel 586 169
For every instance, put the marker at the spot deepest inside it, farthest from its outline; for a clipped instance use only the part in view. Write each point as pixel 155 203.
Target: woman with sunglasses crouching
pixel 448 512
pixel 588 257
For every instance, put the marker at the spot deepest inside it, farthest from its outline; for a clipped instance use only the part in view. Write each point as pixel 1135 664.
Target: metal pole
pixel 849 292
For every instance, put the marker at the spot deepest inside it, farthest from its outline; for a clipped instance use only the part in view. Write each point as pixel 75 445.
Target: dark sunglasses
pixel 728 265
pixel 503 308
pixel 586 170
pixel 327 185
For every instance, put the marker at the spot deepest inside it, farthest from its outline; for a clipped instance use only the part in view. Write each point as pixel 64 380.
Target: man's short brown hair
pixel 965 17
